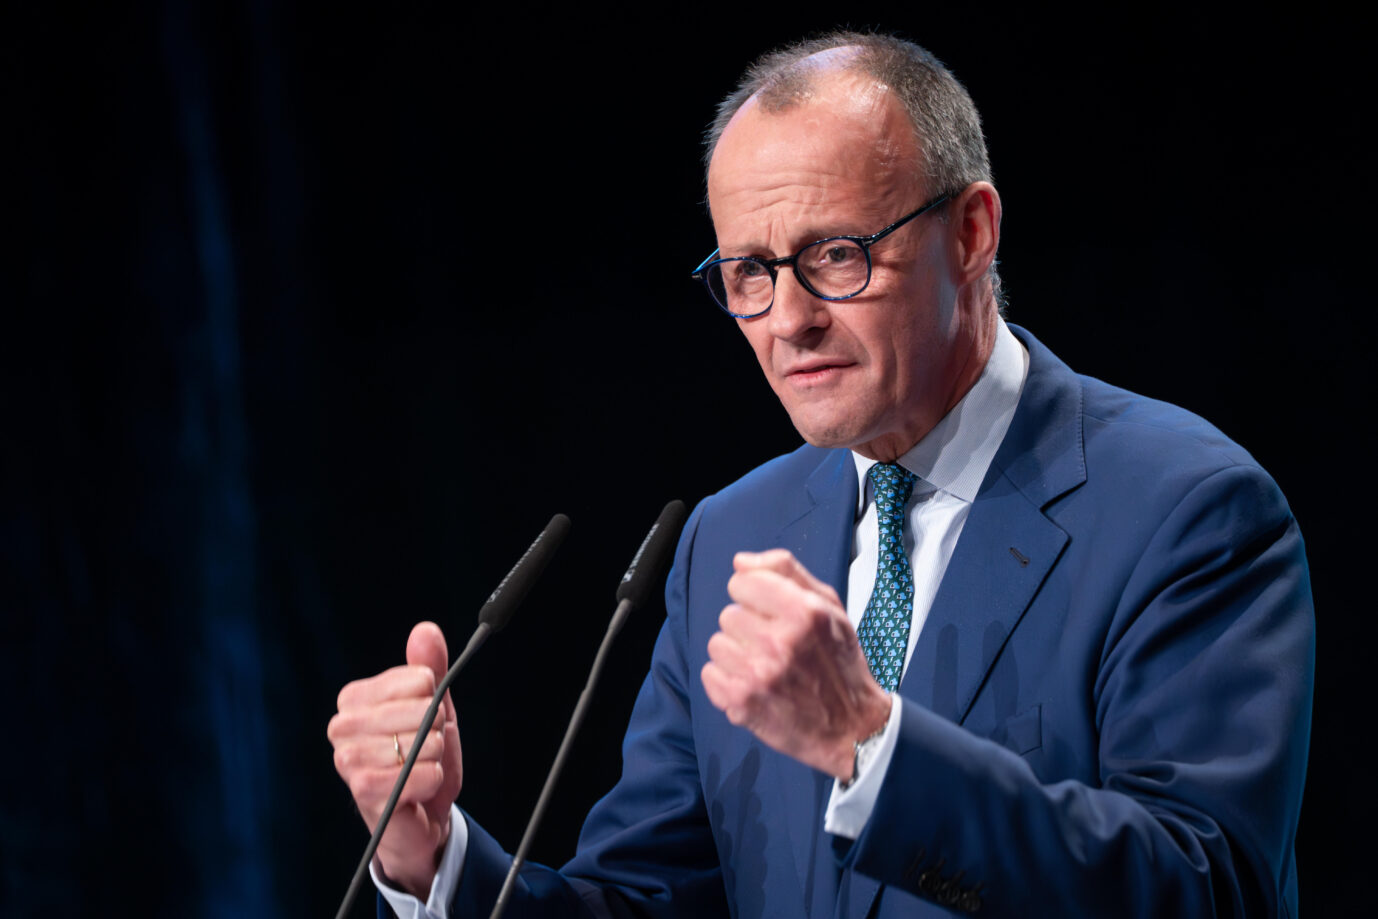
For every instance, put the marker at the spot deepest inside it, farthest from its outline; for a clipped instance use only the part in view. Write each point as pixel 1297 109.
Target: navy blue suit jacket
pixel 1106 714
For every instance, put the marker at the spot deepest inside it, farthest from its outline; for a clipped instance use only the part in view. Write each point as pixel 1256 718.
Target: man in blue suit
pixel 999 639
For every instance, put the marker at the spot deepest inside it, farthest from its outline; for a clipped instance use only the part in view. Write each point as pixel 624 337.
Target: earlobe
pixel 976 212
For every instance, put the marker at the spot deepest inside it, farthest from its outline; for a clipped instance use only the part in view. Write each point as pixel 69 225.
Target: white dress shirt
pixel 951 461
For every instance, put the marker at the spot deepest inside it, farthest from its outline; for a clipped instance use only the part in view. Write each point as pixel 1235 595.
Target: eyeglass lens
pixel 834 268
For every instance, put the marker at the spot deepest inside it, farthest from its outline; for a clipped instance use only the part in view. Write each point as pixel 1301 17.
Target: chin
pixel 829 436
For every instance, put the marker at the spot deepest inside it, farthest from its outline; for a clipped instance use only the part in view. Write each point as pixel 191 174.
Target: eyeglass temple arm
pixel 697 273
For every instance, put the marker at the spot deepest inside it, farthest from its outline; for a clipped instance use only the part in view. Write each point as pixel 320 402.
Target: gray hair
pixel 945 121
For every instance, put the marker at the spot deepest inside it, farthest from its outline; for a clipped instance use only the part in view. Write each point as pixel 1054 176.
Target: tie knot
pixel 893 484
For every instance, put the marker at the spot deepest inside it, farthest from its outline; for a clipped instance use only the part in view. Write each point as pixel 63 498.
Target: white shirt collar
pixel 954 456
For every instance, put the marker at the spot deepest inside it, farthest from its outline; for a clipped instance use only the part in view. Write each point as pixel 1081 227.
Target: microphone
pixel 650 559
pixel 505 599
pixel 641 576
pixel 495 614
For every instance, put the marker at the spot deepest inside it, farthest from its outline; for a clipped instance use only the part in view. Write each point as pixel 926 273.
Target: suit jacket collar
pixel 1007 546
pixel 1043 454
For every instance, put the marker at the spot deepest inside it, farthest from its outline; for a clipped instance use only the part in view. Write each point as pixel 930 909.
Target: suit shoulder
pixel 1125 427
pixel 1151 454
pixel 786 473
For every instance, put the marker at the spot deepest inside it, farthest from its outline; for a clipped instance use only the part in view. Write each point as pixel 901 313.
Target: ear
pixel 975 215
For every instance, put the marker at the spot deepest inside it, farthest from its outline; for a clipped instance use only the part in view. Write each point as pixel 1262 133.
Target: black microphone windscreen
pixel 654 554
pixel 508 595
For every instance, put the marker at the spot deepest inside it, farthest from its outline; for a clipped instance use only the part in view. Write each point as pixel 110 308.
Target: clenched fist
pixel 377 718
pixel 786 664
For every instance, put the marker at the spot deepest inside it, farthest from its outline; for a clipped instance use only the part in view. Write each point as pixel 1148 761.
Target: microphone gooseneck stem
pixel 619 616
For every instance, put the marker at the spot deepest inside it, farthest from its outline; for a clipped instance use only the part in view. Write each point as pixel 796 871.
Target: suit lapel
pixel 1007 546
pixel 1006 549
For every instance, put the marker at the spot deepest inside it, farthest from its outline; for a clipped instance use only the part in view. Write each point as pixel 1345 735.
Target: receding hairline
pixel 846 93
pixel 785 83
pixel 798 82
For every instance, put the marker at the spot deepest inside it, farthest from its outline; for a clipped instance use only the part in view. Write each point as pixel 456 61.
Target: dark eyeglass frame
pixel 772 264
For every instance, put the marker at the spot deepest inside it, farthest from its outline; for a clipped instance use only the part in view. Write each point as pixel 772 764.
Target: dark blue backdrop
pixel 312 316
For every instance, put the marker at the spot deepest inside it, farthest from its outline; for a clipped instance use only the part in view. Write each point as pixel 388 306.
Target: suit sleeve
pixel 646 849
pixel 1202 704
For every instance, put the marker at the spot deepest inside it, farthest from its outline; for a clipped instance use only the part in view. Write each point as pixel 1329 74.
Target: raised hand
pixel 377 718
pixel 786 664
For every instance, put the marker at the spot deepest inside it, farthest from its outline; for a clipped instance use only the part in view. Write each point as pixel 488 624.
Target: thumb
pixel 426 648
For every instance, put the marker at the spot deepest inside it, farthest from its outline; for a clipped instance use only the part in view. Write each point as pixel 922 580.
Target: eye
pixel 748 270
pixel 833 255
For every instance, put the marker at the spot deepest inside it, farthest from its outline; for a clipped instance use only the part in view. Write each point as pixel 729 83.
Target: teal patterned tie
pixel 884 629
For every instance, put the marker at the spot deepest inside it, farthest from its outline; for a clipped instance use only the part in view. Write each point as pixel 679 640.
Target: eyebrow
pixel 759 251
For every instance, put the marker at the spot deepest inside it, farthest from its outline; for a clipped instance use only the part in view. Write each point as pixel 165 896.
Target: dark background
pixel 313 316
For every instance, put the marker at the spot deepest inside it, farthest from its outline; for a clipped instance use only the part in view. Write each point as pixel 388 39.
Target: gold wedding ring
pixel 397 748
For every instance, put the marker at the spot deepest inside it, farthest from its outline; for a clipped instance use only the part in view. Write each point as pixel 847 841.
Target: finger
pixel 767 593
pixel 727 692
pixel 426 648
pixel 438 807
pixel 401 716
pixel 371 787
pixel 401 682
pixel 782 562
pixel 389 750
pixel 728 653
pixel 747 626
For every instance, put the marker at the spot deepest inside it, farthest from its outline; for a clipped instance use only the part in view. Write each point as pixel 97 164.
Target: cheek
pixel 759 340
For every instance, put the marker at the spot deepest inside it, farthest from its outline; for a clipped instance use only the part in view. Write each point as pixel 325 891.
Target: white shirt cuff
pixel 849 808
pixel 437 905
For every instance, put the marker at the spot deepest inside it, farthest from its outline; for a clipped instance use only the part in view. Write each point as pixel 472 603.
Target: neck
pixel 971 353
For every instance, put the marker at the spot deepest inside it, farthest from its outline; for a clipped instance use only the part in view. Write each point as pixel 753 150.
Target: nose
pixel 796 313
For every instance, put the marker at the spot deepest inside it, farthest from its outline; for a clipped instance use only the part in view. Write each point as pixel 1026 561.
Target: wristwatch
pixel 863 752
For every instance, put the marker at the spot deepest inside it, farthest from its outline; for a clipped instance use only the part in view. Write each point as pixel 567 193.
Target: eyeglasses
pixel 836 268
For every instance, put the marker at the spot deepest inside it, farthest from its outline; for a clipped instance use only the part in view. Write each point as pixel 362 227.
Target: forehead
pixel 846 146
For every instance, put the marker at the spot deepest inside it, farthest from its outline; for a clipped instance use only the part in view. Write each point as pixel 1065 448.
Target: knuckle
pixel 425 778
pixel 770 671
pixel 340 727
pixel 792 631
pixel 817 616
pixel 361 786
pixel 419 680
pixel 775 557
pixel 730 619
pixel 346 758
